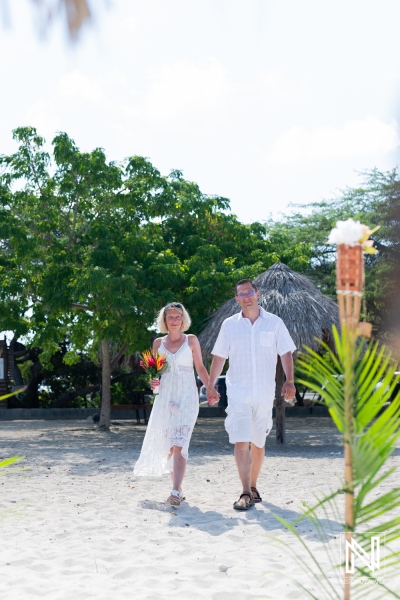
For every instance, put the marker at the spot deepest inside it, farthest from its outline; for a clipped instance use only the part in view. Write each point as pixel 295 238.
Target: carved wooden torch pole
pixel 349 286
pixel 349 283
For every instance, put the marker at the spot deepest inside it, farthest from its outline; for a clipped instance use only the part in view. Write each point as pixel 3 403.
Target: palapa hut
pixel 306 312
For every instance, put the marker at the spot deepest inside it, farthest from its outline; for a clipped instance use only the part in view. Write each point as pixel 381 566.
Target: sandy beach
pixel 77 524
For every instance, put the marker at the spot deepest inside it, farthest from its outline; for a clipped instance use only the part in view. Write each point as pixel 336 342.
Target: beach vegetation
pixel 375 201
pixel 91 249
pixel 358 382
pixel 368 418
pixel 366 504
pixel 7 462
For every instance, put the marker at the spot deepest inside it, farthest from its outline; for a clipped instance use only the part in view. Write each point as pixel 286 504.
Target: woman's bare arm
pixel 156 346
pixel 198 359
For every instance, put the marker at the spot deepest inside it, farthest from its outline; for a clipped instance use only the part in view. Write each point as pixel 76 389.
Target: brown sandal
pixel 244 504
pixel 256 495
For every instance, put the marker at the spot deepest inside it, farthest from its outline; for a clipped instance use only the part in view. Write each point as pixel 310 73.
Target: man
pixel 252 341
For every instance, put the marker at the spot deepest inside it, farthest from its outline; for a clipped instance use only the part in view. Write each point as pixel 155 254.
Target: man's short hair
pixel 242 282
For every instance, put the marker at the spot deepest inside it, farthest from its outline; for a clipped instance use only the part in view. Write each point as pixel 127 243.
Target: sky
pixel 264 102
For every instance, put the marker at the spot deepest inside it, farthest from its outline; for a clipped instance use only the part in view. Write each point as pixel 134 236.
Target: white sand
pixel 79 525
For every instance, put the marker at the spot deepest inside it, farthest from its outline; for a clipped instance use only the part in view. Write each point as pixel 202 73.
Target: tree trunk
pixel 105 411
pixel 119 355
pixel 280 404
pixel 33 385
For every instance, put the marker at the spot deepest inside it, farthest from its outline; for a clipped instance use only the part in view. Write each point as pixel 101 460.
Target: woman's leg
pixel 179 468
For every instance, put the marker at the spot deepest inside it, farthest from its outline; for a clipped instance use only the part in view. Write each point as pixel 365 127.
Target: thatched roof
pixel 306 312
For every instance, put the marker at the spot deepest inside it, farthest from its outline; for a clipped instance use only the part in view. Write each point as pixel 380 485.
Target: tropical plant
pixel 7 462
pixel 357 382
pixel 358 402
pixel 19 391
pixel 10 461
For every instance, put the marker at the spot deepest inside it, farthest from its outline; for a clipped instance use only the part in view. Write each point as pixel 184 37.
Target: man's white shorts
pixel 248 423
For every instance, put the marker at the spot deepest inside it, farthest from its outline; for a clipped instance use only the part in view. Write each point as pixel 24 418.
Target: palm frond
pixel 356 381
pixel 10 461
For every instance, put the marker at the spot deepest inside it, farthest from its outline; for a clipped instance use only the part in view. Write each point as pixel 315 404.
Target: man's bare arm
pixel 288 389
pixel 216 369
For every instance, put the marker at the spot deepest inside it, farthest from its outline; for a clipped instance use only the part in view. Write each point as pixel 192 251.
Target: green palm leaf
pixel 356 381
pixel 10 461
pixel 19 391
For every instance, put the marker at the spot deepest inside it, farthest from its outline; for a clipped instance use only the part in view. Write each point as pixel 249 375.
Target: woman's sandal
pixel 175 498
pixel 256 495
pixel 243 503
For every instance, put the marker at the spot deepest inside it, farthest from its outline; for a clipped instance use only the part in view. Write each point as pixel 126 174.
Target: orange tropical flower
pixel 153 366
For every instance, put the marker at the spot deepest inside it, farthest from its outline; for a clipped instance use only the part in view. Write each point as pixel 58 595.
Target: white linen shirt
pixel 252 351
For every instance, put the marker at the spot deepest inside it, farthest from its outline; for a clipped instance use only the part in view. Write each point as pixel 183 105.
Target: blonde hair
pixel 161 323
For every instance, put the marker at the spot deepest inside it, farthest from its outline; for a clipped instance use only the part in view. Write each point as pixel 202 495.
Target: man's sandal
pixel 256 495
pixel 245 501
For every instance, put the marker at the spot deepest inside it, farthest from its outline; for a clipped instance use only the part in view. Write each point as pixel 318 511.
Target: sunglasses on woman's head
pixel 174 305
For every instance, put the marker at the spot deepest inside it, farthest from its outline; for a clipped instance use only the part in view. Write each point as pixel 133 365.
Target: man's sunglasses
pixel 248 294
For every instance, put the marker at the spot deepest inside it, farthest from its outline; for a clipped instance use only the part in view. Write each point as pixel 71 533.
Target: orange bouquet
pixel 153 366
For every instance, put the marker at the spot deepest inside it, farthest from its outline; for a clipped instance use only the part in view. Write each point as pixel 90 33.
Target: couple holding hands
pixel 252 340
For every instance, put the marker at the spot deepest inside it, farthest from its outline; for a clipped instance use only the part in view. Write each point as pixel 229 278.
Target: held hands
pixel 154 383
pixel 212 396
pixel 288 391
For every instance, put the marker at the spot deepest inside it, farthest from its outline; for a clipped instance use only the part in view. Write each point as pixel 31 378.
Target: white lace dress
pixel 173 415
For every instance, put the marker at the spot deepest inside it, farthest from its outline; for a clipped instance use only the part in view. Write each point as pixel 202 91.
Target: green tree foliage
pixel 62 379
pixel 69 236
pixel 202 250
pixel 376 202
pixel 90 249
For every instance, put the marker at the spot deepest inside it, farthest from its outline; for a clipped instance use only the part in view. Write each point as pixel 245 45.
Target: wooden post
pixel 280 404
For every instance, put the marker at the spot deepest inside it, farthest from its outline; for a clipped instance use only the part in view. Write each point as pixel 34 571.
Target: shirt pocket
pixel 267 338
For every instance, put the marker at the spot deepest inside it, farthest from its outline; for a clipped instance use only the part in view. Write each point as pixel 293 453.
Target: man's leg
pixel 238 426
pixel 243 463
pixel 262 423
pixel 257 459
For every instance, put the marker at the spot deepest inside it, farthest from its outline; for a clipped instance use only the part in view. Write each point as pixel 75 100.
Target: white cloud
pixel 353 140
pixel 180 88
pixel 131 24
pixel 183 86
pixel 277 89
pixel 77 85
pixel 73 95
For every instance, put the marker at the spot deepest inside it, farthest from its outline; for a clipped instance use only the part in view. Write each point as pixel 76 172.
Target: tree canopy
pixel 91 249
pixel 375 202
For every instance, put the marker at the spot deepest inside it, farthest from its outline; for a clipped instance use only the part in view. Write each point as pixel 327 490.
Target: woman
pixel 175 408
